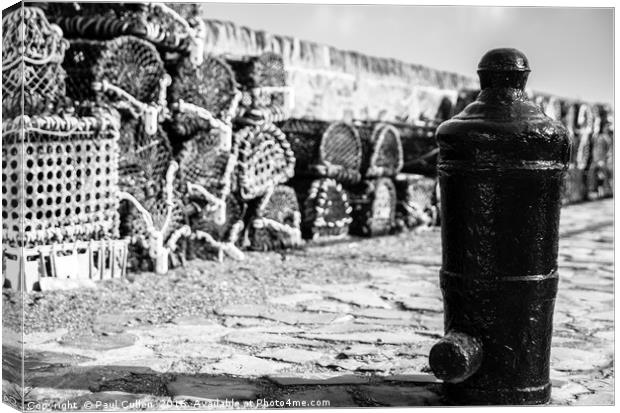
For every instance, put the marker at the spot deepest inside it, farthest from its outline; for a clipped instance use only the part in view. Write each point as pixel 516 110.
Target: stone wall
pixel 333 84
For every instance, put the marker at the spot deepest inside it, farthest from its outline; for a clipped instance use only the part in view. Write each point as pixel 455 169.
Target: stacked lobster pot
pixel 416 184
pixel 204 98
pixel 601 166
pixel 590 169
pixel 115 60
pixel 59 169
pixel 374 198
pixel 265 94
pixel 266 160
pixel 328 159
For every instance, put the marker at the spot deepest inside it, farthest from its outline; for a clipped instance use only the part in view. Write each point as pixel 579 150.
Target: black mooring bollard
pixel 501 164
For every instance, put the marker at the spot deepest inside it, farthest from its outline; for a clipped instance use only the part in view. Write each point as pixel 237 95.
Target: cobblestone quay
pixel 351 323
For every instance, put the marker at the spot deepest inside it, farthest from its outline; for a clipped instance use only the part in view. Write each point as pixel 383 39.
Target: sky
pixel 570 50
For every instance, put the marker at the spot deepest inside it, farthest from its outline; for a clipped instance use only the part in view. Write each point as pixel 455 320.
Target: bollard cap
pixel 504 60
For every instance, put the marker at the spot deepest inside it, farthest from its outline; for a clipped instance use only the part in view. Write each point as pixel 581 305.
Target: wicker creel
pixel 374 207
pixel 326 212
pixel 210 85
pixel 226 232
pixel 416 201
pixel 32 52
pixel 265 159
pixel 144 158
pixel 323 149
pixel 203 162
pixel 277 220
pixel 419 148
pixel 61 179
pixel 127 62
pixel 383 151
pixel 156 23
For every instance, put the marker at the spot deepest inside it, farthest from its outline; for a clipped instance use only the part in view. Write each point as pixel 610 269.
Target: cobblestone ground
pixel 357 335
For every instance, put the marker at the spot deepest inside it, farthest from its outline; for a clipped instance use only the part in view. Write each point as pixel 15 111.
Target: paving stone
pixel 294 299
pixel 599 384
pixel 275 328
pixel 349 327
pixel 344 364
pixel 81 378
pixel 194 350
pixel 250 310
pixel 37 338
pixel 572 359
pixel 180 333
pixel 300 317
pixel 332 396
pixel 100 342
pixel 236 322
pixel 328 306
pixel 321 379
pixel 422 303
pixel 264 339
pixel 382 313
pixel 602 316
pixel 413 288
pixel 414 378
pixel 400 395
pixel 157 364
pixel 605 335
pixel 243 365
pixel 193 320
pixel 362 298
pixel 388 323
pixel 567 393
pixel 360 350
pixel 378 337
pixel 605 398
pixel 589 296
pixel 384 366
pixel 116 322
pixel 291 355
pixel 211 388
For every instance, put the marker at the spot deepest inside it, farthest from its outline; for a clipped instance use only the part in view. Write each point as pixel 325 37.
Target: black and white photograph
pixel 245 205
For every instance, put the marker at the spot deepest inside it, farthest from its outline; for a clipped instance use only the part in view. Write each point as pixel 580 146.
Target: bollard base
pixel 459 394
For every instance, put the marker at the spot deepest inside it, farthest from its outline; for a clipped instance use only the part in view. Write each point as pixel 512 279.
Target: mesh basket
pixel 265 160
pixel 277 222
pixel 326 212
pixel 383 152
pixel 33 72
pixel 144 159
pixel 201 220
pixel 374 207
pixel 127 62
pixel 202 162
pixel 61 179
pixel 415 195
pixel 211 86
pixel 323 149
pixel 108 20
pixel 419 149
